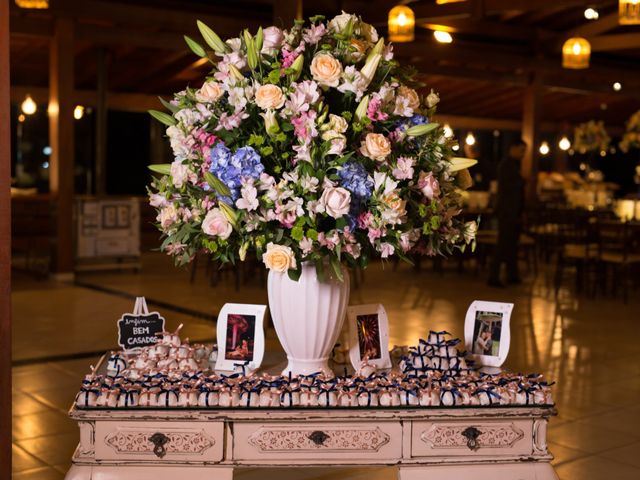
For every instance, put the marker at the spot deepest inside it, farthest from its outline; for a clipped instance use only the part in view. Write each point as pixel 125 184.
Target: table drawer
pixel 472 438
pixel 324 442
pixel 159 441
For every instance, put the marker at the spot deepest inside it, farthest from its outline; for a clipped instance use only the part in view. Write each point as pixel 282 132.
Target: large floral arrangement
pixel 631 137
pixel 591 136
pixel 308 144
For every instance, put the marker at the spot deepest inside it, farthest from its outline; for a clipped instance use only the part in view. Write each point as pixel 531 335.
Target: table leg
pixel 496 471
pixel 168 472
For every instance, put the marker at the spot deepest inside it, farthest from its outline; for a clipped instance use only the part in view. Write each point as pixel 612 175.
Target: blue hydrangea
pixel 230 168
pixel 418 120
pixel 355 178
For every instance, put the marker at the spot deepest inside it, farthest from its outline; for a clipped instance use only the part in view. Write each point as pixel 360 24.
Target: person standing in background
pixel 508 210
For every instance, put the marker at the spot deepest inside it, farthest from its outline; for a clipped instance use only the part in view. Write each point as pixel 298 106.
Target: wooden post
pixel 5 247
pixel 61 138
pixel 101 124
pixel 531 134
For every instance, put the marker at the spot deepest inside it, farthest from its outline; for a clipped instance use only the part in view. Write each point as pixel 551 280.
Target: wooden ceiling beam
pixel 595 27
pixel 621 41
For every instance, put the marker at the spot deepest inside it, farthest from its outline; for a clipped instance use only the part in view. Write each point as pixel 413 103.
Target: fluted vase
pixel 308 316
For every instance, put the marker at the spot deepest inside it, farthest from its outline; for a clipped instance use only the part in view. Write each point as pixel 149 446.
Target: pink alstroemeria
pixel 288 57
pixel 364 220
pixel 374 111
pixel 305 126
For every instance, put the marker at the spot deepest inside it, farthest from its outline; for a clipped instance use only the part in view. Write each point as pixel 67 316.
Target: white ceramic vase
pixel 308 316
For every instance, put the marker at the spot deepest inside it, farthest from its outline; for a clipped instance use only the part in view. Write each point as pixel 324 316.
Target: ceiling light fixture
pixel 401 22
pixel 591 14
pixel 28 106
pixel 442 36
pixel 470 140
pixel 564 143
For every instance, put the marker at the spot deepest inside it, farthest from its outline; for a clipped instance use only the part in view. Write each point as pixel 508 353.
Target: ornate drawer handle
pixel 318 437
pixel 159 440
pixel 472 434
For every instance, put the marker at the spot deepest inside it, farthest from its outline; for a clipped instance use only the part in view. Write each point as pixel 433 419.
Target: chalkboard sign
pixel 138 329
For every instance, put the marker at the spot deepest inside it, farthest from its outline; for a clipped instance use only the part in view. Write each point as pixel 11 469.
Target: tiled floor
pixel 590 347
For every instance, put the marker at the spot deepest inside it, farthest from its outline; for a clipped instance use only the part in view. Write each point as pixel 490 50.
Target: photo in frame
pixel 487 332
pixel 240 331
pixel 368 335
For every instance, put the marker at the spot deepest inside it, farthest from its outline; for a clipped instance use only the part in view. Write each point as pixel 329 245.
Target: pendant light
pixel 629 12
pixel 576 53
pixel 402 23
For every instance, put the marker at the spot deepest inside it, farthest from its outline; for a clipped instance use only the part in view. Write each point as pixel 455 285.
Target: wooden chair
pixel 618 253
pixel 579 252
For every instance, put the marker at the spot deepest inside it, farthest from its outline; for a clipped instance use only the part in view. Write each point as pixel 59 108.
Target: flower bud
pixel 235 73
pixel 418 130
pixel 270 122
pixel 212 39
pixel 369 69
pixel 361 111
pixel 296 66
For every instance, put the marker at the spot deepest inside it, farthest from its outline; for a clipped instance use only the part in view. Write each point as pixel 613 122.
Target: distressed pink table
pixel 458 443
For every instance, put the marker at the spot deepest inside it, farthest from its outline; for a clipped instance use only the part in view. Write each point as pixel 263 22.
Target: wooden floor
pixel 590 347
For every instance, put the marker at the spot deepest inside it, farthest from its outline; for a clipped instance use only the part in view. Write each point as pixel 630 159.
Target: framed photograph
pixel 487 332
pixel 240 340
pixel 124 216
pixel 368 335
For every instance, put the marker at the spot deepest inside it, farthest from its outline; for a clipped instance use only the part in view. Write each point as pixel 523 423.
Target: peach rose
pixel 210 92
pixel 411 95
pixel 216 224
pixel 396 208
pixel 326 70
pixel 269 96
pixel 375 146
pixel 336 201
pixel 279 258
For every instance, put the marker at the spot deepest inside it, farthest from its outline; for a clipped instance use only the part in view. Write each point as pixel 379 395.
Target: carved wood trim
pixel 540 436
pixel 287 439
pixel 132 441
pixel 491 436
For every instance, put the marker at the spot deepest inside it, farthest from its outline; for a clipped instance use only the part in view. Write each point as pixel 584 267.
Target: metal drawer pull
pixel 472 434
pixel 159 440
pixel 318 437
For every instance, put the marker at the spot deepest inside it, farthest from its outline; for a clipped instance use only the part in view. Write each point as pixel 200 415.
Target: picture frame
pixel 487 332
pixel 240 332
pixel 369 335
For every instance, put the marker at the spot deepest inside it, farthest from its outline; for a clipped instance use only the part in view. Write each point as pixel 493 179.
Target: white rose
pixel 273 38
pixel 336 123
pixel 269 96
pixel 210 92
pixel 375 146
pixel 336 201
pixel 413 100
pixel 340 22
pixel 216 224
pixel 279 258
pixel 326 70
pixel 432 99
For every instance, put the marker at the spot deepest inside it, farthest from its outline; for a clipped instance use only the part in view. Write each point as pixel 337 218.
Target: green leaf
pixel 195 46
pixel 215 183
pixel 162 168
pixel 212 39
pixel 337 268
pixel 320 269
pixel 162 117
pixel 295 274
pixel 168 106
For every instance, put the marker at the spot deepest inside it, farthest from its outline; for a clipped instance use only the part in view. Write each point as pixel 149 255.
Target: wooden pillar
pixel 101 124
pixel 5 247
pixel 286 11
pixel 61 139
pixel 531 133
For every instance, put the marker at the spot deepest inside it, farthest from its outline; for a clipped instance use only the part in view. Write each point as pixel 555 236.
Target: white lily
pixel 460 163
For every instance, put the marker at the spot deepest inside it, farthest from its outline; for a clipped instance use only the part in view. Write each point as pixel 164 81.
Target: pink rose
pixel 428 185
pixel 273 38
pixel 216 224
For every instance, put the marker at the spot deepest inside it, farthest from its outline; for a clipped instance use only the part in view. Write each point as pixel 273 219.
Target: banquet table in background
pixel 461 443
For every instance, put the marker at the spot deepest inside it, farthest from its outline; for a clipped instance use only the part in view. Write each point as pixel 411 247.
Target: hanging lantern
pixel 629 12
pixel 402 24
pixel 33 4
pixel 576 53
